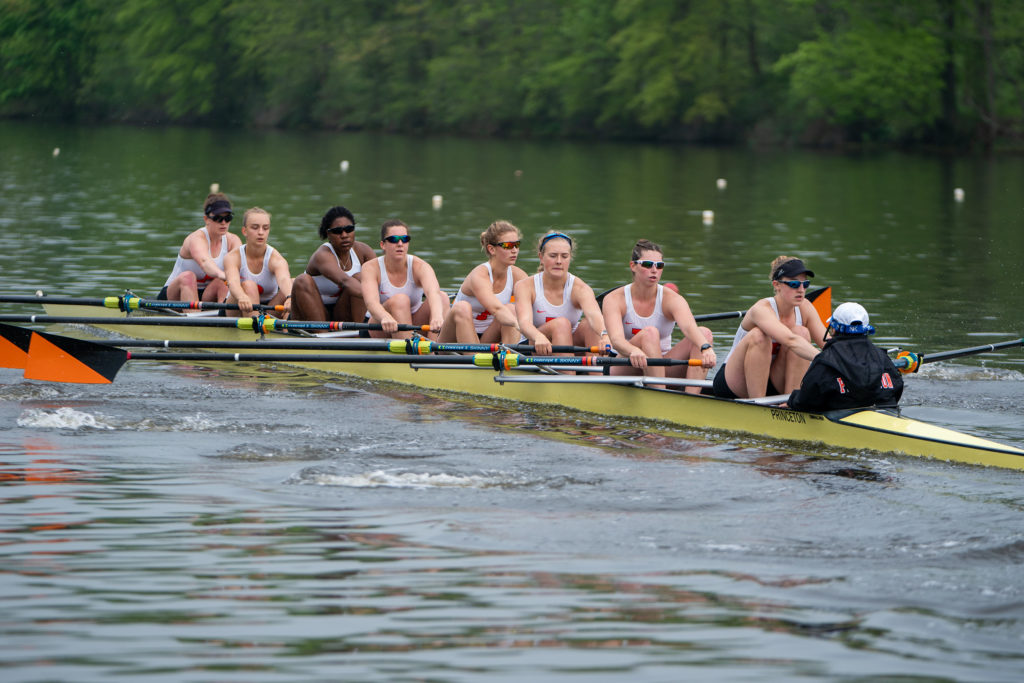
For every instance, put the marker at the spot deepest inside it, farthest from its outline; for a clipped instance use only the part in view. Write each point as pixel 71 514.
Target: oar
pixel 907 361
pixel 257 324
pixel 128 303
pixel 821 298
pixel 17 339
pixel 54 358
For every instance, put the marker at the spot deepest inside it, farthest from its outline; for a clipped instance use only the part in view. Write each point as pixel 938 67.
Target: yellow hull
pixel 866 430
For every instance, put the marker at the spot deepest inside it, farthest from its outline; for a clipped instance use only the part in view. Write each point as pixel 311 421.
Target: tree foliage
pixel 811 71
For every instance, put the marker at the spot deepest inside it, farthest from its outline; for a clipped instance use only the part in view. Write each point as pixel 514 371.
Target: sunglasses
pixel 395 239
pixel 651 264
pixel 222 218
pixel 340 230
pixel 507 245
pixel 796 284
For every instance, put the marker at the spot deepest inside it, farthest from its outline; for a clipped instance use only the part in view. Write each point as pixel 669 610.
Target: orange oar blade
pixel 822 301
pixel 14 346
pixel 61 359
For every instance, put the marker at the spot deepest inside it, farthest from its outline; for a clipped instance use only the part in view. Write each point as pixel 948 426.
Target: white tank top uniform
pixel 482 318
pixel 265 281
pixel 632 323
pixel 182 263
pixel 544 311
pixel 329 290
pixel 741 333
pixel 410 288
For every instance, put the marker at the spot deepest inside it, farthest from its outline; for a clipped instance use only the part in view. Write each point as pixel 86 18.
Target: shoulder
pixel 364 251
pixel 234 240
pixel 518 273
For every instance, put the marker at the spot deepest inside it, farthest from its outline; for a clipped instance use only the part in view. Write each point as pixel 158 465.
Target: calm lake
pixel 261 523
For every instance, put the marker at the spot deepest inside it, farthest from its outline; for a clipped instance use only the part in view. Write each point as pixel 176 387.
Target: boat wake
pixel 428 480
pixel 61 418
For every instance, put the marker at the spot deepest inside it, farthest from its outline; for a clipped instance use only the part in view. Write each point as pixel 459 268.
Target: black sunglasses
pixel 343 228
pixel 222 218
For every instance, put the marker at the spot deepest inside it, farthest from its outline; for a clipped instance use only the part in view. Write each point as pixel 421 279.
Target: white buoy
pixel 436 201
pixel 518 173
pixel 958 194
pixel 56 151
pixel 214 188
pixel 39 292
pixel 708 217
pixel 344 166
pixel 720 183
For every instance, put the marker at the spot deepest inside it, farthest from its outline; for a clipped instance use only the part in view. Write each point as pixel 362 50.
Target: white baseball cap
pixel 851 318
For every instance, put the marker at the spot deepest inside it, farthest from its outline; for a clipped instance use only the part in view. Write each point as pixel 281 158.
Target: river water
pixel 203 523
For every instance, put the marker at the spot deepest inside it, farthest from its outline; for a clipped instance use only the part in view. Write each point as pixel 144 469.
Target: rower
pixel 330 287
pixel 400 288
pixel 850 371
pixel 649 312
pixel 256 272
pixel 550 304
pixel 772 347
pixel 198 273
pixel 483 310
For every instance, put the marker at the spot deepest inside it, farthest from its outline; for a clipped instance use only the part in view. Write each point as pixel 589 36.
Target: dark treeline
pixel 812 72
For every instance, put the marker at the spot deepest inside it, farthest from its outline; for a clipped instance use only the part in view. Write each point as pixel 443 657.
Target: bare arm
pixel 584 299
pixel 279 267
pixel 614 309
pixel 479 286
pixel 762 315
pixel 676 307
pixel 198 250
pixel 370 284
pixel 525 297
pixel 424 276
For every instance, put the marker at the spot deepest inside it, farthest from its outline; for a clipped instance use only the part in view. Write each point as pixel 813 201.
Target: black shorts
pixel 721 389
pixel 162 296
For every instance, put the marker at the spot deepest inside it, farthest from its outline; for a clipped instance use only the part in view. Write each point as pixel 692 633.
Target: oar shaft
pixel 984 348
pixel 132 303
pixel 269 324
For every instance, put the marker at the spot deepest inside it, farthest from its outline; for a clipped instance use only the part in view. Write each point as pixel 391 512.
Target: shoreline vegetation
pixel 933 74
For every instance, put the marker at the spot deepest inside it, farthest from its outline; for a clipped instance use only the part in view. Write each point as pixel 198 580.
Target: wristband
pixel 705 346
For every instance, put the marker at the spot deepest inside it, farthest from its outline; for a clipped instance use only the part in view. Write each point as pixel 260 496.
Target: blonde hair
pixel 496 230
pixel 255 209
pixel 778 261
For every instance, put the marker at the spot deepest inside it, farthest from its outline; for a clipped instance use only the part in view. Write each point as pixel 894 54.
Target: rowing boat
pixel 882 431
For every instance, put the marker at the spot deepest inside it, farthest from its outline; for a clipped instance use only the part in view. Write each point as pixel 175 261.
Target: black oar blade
pixel 62 359
pixel 14 343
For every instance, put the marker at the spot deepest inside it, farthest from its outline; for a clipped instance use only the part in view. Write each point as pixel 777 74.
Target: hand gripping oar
pixel 129 302
pixel 257 324
pixel 907 361
pixel 55 358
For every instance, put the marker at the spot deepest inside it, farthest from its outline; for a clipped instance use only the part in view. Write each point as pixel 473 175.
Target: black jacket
pixel 850 372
